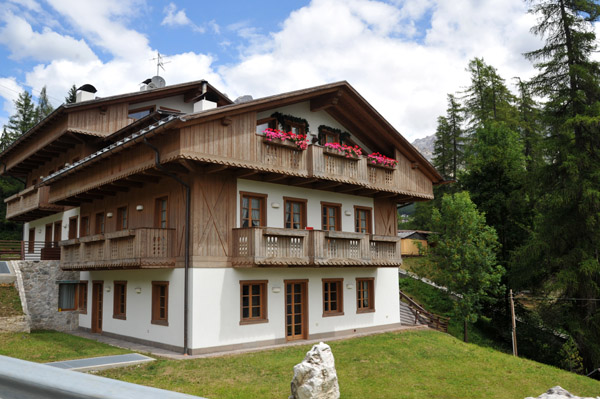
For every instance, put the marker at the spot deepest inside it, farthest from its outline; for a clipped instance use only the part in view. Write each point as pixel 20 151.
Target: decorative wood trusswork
pixel 126 249
pixel 289 247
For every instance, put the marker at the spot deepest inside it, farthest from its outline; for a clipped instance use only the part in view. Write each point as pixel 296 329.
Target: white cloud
pixel 31 5
pixel 369 45
pixel 9 91
pixel 18 35
pixel 174 17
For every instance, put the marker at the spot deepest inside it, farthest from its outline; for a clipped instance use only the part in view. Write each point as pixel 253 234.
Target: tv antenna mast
pixel 160 62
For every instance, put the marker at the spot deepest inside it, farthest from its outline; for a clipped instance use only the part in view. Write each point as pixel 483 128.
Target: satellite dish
pixel 88 87
pixel 157 82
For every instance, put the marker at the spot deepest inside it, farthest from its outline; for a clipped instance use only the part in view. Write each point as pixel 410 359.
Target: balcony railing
pixel 29 250
pixel 127 249
pixel 266 246
pixel 30 204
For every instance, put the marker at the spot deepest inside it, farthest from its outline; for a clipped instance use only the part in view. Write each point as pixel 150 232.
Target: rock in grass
pixel 315 377
pixel 559 393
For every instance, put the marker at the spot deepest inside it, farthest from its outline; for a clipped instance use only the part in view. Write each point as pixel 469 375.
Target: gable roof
pixel 339 99
pixel 192 88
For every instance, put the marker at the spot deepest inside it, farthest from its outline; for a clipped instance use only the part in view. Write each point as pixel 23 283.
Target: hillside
pixel 411 364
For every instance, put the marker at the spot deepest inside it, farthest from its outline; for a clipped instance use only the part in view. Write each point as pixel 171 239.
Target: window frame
pixel 73 234
pixel 120 300
pixel 84 229
pixel 264 316
pixel 155 316
pixel 149 108
pixel 369 210
pixel 75 286
pixel 120 219
pixel 270 121
pixel 338 215
pixel 371 292
pixel 303 217
pixel 158 212
pixel 100 228
pixel 290 125
pixel 339 282
pixel 262 208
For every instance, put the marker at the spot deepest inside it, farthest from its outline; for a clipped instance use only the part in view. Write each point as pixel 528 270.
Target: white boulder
pixel 315 377
pixel 559 393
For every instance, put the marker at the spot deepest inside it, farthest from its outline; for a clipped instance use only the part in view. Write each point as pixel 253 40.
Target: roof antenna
pixel 160 63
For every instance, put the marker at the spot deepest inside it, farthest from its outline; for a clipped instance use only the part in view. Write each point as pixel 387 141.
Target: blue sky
pixel 403 56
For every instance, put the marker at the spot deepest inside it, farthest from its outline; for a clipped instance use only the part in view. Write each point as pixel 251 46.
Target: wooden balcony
pixel 143 248
pixel 328 165
pixel 266 246
pixel 30 204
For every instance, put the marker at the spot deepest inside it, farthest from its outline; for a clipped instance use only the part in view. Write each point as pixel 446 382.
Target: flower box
pixel 381 161
pixel 377 165
pixel 335 153
pixel 281 143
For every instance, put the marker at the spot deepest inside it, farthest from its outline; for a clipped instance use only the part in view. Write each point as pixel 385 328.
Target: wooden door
pixel 57 233
pixel 97 301
pixel 296 310
pixel 48 236
pixel 31 243
pixel 73 227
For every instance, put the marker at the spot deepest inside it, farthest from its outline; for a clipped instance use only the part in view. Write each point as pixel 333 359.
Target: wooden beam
pixel 142 179
pixel 102 192
pixel 348 189
pixel 274 178
pixel 192 96
pixel 175 168
pixel 226 121
pixel 191 166
pixel 327 185
pixel 81 199
pixel 127 183
pixel 115 187
pixel 246 173
pixel 215 168
pixel 89 195
pixel 326 101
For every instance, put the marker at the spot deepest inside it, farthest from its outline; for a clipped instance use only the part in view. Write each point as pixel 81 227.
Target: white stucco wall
pixel 314 119
pixel 139 306
pixel 40 225
pixel 276 192
pixel 175 102
pixel 216 303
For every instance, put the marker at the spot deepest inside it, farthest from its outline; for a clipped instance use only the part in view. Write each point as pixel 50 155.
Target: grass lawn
pixel 52 346
pixel 10 303
pixel 414 364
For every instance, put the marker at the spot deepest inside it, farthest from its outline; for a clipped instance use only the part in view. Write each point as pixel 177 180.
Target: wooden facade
pixel 120 188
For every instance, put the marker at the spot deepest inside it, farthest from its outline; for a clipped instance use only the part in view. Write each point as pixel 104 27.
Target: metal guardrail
pixel 22 379
pixel 433 320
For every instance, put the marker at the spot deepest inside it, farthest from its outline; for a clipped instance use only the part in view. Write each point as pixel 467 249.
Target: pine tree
pixel 44 108
pixel 530 125
pixel 71 95
pixel 448 152
pixel 24 117
pixel 562 255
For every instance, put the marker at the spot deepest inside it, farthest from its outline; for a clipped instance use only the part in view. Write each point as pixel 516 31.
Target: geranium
pixel 299 139
pixel 348 151
pixel 378 159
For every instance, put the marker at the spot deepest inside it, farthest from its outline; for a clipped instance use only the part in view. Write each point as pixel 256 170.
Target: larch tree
pixel 24 117
pixel 71 95
pixel 44 108
pixel 561 257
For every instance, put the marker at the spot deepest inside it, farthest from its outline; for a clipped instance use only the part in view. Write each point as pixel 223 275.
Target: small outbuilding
pixel 411 239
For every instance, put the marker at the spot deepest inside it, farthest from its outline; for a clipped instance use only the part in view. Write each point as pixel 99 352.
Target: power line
pixel 32 89
pixel 550 298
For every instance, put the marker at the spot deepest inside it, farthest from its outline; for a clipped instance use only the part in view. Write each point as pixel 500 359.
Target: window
pixel 362 219
pixel 84 228
pixel 57 233
pixel 333 297
pixel 72 295
pixel 294 213
pixel 160 303
pixel 72 227
pixel 331 216
pixel 253 210
pixel 266 123
pixel 253 302
pixel 82 294
pixel 140 112
pixel 99 228
pixel 365 295
pixel 331 137
pixel 119 304
pixel 295 127
pixel 122 218
pixel 48 236
pixel 161 212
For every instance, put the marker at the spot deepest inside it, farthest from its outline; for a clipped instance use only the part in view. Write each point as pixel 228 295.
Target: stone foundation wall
pixel 14 324
pixel 41 294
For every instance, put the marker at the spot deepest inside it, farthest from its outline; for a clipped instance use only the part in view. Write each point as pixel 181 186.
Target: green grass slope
pixel 412 364
pixel 10 303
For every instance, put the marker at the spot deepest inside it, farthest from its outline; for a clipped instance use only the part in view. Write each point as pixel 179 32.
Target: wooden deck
pixel 266 246
pixel 126 249
pixel 30 204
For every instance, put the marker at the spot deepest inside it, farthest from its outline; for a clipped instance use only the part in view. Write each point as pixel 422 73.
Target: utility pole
pixel 514 324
